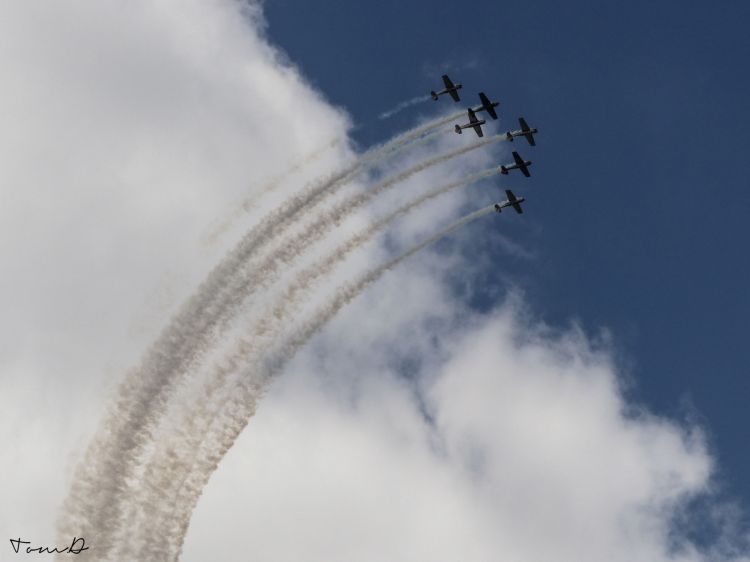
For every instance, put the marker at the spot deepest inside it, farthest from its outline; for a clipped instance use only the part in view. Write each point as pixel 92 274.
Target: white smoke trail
pixel 401 106
pixel 177 473
pixel 410 137
pixel 102 475
pixel 371 158
pixel 249 203
pixel 94 503
pixel 255 278
pixel 256 275
pixel 254 379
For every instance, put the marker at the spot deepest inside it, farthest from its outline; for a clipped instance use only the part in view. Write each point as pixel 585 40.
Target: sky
pixel 638 198
pixel 565 384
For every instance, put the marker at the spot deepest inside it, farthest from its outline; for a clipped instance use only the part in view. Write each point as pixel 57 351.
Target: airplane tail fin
pixel 458 129
pixel 504 170
pixel 434 95
pixel 508 136
pixel 498 208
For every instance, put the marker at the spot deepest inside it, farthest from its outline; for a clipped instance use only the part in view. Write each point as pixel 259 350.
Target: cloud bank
pixel 478 437
pixel 127 130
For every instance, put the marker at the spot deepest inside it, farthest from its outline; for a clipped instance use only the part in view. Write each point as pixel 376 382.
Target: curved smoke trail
pixel 399 107
pixel 260 275
pixel 94 503
pixel 423 135
pixel 180 470
pixel 249 203
pixel 256 376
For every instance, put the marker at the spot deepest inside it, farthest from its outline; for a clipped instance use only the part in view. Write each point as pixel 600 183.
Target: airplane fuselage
pixel 505 168
pixel 506 203
pixel 469 125
pixel 520 133
pixel 475 125
pixel 435 95
pixel 494 104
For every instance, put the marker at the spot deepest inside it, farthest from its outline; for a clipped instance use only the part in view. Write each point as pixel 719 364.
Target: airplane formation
pixel 487 106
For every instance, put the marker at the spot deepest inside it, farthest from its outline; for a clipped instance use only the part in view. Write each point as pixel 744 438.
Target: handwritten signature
pixel 77 546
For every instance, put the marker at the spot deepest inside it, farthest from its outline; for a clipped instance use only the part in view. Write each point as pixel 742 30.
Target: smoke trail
pixel 249 203
pixel 196 422
pixel 257 275
pixel 179 480
pixel 401 106
pixel 254 379
pixel 369 159
pixel 101 482
pixel 249 280
pixel 102 476
pixel 405 138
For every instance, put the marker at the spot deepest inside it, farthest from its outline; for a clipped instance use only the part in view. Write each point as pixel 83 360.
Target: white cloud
pixel 509 441
pixel 128 130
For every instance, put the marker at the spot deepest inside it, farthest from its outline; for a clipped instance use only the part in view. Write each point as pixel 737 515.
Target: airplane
pixel 487 105
pixel 524 131
pixel 473 122
pixel 450 88
pixel 520 164
pixel 512 201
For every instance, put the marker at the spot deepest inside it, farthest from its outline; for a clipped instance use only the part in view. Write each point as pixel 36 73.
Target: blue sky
pixel 432 417
pixel 637 205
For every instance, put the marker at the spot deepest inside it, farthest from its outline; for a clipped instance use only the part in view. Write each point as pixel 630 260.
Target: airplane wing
pixel 514 201
pixel 476 123
pixel 487 105
pixel 518 159
pixel 525 170
pixel 451 88
pixel 526 131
